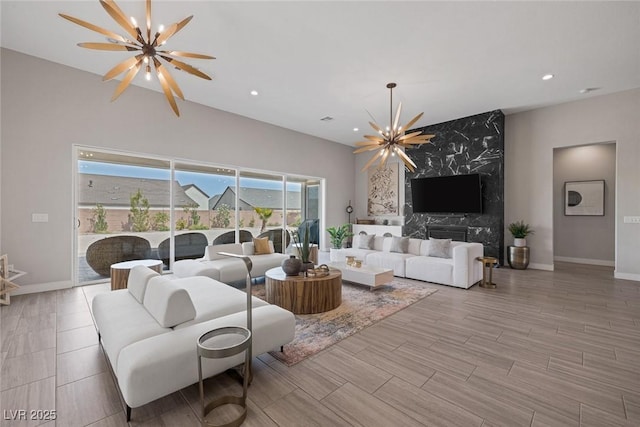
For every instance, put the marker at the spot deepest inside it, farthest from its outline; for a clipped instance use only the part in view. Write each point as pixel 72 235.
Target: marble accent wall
pixel 472 144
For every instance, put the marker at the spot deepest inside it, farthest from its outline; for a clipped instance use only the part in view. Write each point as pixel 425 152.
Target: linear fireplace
pixel 447 232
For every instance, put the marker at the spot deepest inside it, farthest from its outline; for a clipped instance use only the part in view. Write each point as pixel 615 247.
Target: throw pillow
pixel 399 244
pixel 439 248
pixel 261 246
pixel 366 241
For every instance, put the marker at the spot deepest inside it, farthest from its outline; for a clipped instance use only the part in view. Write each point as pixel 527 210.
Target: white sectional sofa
pixel 227 269
pixel 457 266
pixel 149 331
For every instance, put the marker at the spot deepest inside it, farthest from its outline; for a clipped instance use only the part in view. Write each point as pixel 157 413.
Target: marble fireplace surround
pixel 472 144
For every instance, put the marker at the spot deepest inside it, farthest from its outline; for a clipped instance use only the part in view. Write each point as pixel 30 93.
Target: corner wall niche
pixel 468 145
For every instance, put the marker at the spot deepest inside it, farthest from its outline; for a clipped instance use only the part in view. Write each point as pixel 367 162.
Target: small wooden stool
pixel 487 264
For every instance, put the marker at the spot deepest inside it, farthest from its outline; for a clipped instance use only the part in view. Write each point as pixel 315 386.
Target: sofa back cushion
pixel 249 248
pixel 414 246
pixel 139 277
pixel 211 251
pixel 440 248
pixel 399 244
pixel 168 303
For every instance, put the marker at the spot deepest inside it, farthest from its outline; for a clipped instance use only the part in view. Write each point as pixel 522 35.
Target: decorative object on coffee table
pixel 487 266
pixel 519 230
pixel 518 257
pixel 291 266
pixel 303 247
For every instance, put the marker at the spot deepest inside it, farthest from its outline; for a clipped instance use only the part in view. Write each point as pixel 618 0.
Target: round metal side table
pixel 487 264
pixel 211 350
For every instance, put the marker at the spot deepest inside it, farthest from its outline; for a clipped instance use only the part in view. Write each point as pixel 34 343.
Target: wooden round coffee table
pixel 120 271
pixel 304 295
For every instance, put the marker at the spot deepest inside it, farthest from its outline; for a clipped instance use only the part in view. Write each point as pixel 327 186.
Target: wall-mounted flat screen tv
pixel 447 194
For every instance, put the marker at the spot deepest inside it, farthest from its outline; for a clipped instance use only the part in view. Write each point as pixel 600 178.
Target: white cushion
pixel 212 299
pixel 430 269
pixel 122 320
pixel 138 278
pixel 393 260
pixel 211 251
pixel 168 303
pixel 196 267
pixel 414 246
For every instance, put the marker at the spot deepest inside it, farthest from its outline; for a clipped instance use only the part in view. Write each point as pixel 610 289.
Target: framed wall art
pixel 383 190
pixel 584 198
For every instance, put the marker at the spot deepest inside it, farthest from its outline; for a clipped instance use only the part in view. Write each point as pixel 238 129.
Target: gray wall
pixel 530 139
pixel 46 108
pixel 587 239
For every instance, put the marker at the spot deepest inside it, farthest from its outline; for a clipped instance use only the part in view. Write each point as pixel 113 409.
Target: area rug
pixel 360 308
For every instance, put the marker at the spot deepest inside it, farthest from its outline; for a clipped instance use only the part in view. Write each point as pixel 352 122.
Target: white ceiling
pixel 310 59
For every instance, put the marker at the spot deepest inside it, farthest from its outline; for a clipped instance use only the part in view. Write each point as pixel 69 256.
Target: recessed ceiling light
pixel 547 77
pixel 326 118
pixel 588 89
pixel 356 129
pixel 254 92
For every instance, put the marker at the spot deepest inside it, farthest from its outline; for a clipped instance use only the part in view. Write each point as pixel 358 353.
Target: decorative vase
pixel 519 243
pixel 291 266
pixel 518 257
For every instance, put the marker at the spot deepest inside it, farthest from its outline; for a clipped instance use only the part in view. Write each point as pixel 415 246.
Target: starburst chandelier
pixel 148 47
pixel 392 140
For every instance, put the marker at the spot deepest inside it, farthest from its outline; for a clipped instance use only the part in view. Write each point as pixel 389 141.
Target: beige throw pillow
pixel 399 244
pixel 261 246
pixel 366 241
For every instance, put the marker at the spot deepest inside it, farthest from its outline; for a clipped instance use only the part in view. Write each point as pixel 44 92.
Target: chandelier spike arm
pixel 148 9
pixel 170 31
pixel 363 149
pixel 110 34
pixel 185 67
pixel 121 67
pixel 409 135
pixel 107 46
pixel 127 79
pixel 407 161
pixel 168 94
pixel 412 121
pixel 377 128
pixel 186 54
pixel 369 143
pixel 376 138
pixel 114 11
pixel 397 119
pixel 385 156
pixel 371 161
pixel 168 77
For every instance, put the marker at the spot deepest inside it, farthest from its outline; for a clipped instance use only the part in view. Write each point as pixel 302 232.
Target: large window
pixel 136 207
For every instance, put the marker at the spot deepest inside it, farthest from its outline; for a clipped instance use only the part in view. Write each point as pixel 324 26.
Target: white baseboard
pixel 627 276
pixel 585 261
pixel 546 267
pixel 42 287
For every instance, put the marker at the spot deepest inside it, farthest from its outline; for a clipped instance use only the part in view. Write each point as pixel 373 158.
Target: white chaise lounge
pixel 149 331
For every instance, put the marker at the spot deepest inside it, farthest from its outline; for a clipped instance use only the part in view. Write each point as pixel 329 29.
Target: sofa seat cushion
pixel 262 263
pixel 430 269
pixel 158 366
pixel 191 268
pixel 122 321
pixel 393 260
pixel 213 299
pixel 168 303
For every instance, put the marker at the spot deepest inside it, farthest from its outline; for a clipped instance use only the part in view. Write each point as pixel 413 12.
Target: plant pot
pixel 306 266
pixel 519 243
pixel 291 266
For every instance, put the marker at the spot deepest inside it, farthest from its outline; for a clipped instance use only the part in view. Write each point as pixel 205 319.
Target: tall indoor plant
pixel 338 234
pixel 519 230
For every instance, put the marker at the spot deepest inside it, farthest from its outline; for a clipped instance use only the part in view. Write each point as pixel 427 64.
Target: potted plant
pixel 338 234
pixel 303 248
pixel 520 231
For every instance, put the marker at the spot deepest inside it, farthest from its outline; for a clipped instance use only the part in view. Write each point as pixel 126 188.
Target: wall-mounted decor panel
pixel 468 145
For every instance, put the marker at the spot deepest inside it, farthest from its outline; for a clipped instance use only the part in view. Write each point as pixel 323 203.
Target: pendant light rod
pixel 390 86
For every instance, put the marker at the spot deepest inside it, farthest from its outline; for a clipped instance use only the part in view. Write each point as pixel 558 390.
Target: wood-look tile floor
pixel 543 349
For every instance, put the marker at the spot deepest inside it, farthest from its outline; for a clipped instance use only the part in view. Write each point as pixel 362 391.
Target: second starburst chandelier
pixel 392 140
pixel 148 45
